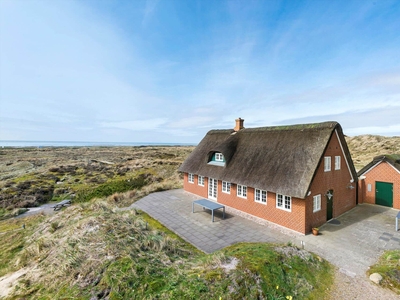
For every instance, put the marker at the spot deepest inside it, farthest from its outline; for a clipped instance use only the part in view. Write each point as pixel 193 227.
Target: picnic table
pixel 59 205
pixel 207 204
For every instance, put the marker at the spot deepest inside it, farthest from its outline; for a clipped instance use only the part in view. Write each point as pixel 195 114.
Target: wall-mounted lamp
pixel 350 186
pixel 329 195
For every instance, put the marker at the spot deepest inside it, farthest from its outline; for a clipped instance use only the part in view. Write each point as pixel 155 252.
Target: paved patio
pixel 352 245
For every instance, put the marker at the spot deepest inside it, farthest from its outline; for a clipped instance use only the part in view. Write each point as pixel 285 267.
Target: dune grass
pixel 388 266
pixel 95 250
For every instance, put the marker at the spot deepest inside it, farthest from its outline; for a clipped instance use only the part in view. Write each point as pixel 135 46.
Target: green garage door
pixel 384 193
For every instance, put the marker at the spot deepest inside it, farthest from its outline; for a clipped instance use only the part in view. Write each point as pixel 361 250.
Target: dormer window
pixel 217 159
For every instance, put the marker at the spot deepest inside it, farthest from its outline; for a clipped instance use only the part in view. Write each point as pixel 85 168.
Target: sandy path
pixel 8 281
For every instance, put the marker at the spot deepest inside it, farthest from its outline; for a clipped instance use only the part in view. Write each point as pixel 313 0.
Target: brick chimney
pixel 239 124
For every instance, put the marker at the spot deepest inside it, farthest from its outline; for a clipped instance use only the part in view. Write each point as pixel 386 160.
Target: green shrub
pixel 111 187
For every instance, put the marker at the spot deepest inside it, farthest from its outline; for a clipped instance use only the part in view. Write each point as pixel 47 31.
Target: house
pixel 379 181
pixel 297 176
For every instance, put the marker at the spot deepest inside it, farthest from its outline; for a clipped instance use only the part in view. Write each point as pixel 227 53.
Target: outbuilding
pixel 379 181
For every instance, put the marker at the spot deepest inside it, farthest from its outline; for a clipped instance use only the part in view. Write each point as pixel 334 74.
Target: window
pixel 284 202
pixel 317 203
pixel 226 187
pixel 200 180
pixel 260 196
pixel 369 187
pixel 337 162
pixel 219 157
pixel 191 178
pixel 327 166
pixel 242 191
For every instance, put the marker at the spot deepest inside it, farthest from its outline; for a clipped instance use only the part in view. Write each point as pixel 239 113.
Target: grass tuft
pixel 388 266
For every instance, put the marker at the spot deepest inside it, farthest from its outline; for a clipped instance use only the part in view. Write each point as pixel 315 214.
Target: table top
pixel 208 204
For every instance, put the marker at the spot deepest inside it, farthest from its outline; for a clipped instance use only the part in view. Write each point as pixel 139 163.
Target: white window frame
pixel 283 201
pixel 260 195
pixel 369 187
pixel 337 162
pixel 226 187
pixel 241 191
pixel 219 156
pixel 190 177
pixel 317 203
pixel 200 180
pixel 327 163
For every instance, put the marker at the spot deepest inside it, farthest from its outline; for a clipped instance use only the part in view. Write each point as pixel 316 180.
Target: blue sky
pixel 169 71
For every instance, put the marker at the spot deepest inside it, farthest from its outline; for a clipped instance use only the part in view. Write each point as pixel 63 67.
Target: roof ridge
pixel 308 126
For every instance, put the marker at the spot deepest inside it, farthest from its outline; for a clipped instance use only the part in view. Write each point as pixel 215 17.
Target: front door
pixel 329 207
pixel 212 188
pixel 384 193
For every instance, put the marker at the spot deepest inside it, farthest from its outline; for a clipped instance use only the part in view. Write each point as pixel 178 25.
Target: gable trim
pixel 344 155
pixel 378 163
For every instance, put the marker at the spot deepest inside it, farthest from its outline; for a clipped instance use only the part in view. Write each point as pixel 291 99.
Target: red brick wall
pixel 344 198
pixel 293 220
pixel 301 217
pixel 383 172
pixel 195 188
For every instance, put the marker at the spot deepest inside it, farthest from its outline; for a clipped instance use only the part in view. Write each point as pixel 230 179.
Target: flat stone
pixel 376 277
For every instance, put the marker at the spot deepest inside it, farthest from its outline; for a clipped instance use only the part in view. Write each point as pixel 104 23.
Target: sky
pixel 168 71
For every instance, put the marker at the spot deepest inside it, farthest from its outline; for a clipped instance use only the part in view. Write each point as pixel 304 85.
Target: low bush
pixel 111 187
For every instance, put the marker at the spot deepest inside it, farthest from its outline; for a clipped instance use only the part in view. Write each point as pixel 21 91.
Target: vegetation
pixel 389 267
pixel 95 250
pixel 364 148
pixel 30 177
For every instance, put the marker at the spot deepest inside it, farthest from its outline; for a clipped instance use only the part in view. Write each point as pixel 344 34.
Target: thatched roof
pixel 393 159
pixel 281 159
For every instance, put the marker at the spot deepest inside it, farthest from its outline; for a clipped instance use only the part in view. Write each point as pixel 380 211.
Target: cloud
pixel 380 120
pixel 391 130
pixel 148 11
pixel 136 125
pixel 162 70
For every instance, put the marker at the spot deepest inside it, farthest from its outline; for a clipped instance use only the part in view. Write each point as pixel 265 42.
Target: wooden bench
pixel 209 205
pixel 61 204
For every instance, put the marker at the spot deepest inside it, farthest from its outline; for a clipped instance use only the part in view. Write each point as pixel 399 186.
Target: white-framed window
pixel 260 196
pixel 191 178
pixel 226 187
pixel 337 162
pixel 317 203
pixel 219 157
pixel 369 187
pixel 284 202
pixel 327 163
pixel 200 180
pixel 242 191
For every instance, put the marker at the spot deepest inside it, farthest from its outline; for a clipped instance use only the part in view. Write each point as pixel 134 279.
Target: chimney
pixel 239 124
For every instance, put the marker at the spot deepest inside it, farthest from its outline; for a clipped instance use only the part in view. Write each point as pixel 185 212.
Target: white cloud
pixel 376 130
pixel 136 125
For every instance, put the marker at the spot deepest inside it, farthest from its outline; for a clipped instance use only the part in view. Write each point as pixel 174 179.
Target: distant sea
pixel 39 144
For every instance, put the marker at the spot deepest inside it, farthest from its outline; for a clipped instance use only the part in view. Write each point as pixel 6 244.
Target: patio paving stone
pixel 353 245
